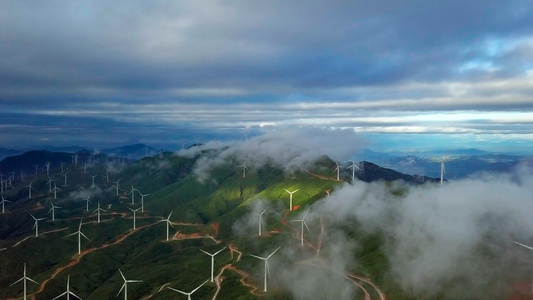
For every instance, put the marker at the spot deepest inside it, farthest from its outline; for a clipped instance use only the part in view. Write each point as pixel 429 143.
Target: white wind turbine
pixel 62 163
pixel 55 191
pixel 212 260
pixel 244 168
pixel 53 210
pixel 142 201
pixel 267 269
pixel 527 247
pixel 48 167
pixel 338 169
pixel 442 171
pixel 3 202
pixel 106 173
pixel 67 292
pixel 167 220
pixel 30 187
pixel 132 192
pixel 93 176
pixel 290 199
pixel 134 212
pixel 260 219
pixel 36 224
pixel 36 167
pixel 117 185
pixel 125 285
pixel 66 177
pixel 190 293
pixel 24 279
pixel 88 201
pixel 80 234
pixel 353 166
pixel 303 223
pixel 50 180
pixel 98 210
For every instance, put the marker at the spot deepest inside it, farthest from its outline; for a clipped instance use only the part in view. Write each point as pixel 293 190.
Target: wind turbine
pixel 212 260
pixel 80 234
pixel 24 279
pixel 68 292
pixel 134 212
pixel 66 177
pixel 117 186
pixel 290 198
pixel 47 167
pixel 50 180
pixel 98 210
pixel 442 171
pixel 260 219
pixel 93 176
pixel 244 168
pixel 53 210
pixel 190 293
pixel 133 194
pixel 338 169
pixel 142 201
pixel 3 202
pixel 36 167
pixel 88 201
pixel 267 270
pixel 55 191
pixel 106 172
pixel 62 163
pixel 353 166
pixel 303 223
pixel 30 187
pixel 527 247
pixel 36 224
pixel 125 285
pixel 167 220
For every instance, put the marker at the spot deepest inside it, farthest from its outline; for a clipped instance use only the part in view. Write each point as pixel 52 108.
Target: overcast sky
pixel 403 74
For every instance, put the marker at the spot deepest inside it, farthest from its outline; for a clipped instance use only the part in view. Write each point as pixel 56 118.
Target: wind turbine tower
pixel 338 169
pixel 290 197
pixel 303 223
pixel 190 293
pixel 261 219
pixel 267 270
pixel 98 210
pixel 80 234
pixel 132 192
pixel 66 177
pixel 125 285
pixel 30 187
pixel 117 186
pixel 53 210
pixel 134 212
pixel 36 224
pixel 24 279
pixel 88 201
pixel 353 166
pixel 3 202
pixel 244 168
pixel 212 260
pixel 142 201
pixel 93 176
pixel 167 220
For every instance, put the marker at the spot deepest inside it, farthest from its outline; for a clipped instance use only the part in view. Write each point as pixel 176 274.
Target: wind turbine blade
pixel 32 280
pixel 81 233
pixel 273 253
pixel 121 274
pixel 306 212
pixel 74 295
pixel 262 258
pixel 296 190
pixel 206 252
pixel 175 290
pixel 199 287
pixel 264 211
pixel 525 246
pixel 17 281
pixel 219 251
pixel 306 226
pixel 134 281
pixel 267 268
pixel 64 293
pixel 71 234
pixel 121 288
pixel 287 191
pixel 170 215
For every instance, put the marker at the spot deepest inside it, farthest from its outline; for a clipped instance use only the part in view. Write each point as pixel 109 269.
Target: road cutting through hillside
pixel 78 258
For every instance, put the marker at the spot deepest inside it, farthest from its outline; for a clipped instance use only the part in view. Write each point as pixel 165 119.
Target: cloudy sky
pixel 402 74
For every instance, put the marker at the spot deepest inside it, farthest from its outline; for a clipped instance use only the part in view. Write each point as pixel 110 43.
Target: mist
pixel 289 149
